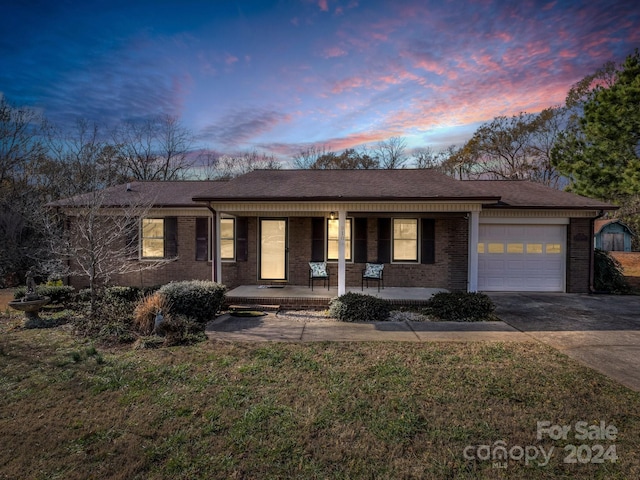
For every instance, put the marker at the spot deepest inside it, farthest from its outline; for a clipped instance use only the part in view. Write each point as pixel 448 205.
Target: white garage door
pixel 521 258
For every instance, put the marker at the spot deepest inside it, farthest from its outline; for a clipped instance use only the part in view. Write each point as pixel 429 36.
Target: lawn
pixel 69 410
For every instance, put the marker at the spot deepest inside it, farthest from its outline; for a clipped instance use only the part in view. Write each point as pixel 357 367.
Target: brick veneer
pixel 184 268
pixel 449 270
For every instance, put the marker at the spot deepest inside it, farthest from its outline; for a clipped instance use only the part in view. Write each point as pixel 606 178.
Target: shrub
pixel 59 293
pixel 608 275
pixel 181 330
pixel 144 315
pixel 121 294
pixel 357 307
pixel 460 306
pixel 196 299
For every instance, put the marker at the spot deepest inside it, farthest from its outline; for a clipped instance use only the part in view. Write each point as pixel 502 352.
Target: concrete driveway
pixel 600 331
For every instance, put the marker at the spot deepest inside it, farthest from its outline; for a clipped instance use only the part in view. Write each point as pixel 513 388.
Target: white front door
pixel 273 249
pixel 525 258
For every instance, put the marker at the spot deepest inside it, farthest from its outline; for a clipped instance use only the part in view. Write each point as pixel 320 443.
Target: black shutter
pixel 202 238
pixel 170 237
pixel 428 243
pixel 133 239
pixel 242 239
pixel 384 240
pixel 360 240
pixel 317 239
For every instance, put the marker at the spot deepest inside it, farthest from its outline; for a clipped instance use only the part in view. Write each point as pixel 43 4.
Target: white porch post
pixel 342 268
pixel 474 226
pixel 217 260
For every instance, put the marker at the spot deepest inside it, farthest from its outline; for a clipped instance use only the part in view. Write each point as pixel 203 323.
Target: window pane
pixel 495 247
pixel 152 228
pixel 481 248
pixel 534 248
pixel 515 248
pixel 553 248
pixel 405 229
pixel 405 249
pixel 405 239
pixel 227 249
pixel 153 247
pixel 226 228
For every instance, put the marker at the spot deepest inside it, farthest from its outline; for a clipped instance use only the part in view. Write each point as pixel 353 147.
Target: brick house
pixel 428 229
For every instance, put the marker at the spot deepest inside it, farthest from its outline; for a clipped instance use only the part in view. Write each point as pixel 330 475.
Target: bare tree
pixel 96 239
pixel 391 153
pixel 233 166
pixel 156 149
pixel 427 157
pixel 308 157
pixel 20 142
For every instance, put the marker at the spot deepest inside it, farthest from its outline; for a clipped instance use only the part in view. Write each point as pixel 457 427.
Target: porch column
pixel 474 226
pixel 342 268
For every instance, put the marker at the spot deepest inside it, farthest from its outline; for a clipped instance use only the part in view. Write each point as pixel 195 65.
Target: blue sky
pixel 277 76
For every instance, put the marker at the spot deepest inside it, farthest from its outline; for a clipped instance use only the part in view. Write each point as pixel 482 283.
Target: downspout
pixel 214 244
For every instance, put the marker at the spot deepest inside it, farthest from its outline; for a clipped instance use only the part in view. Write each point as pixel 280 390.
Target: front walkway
pixel 278 328
pixel 292 296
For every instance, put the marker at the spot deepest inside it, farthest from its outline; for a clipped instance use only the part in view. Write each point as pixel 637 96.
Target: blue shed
pixel 612 235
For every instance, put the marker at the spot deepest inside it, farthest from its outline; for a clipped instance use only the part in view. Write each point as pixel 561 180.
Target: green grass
pixel 269 410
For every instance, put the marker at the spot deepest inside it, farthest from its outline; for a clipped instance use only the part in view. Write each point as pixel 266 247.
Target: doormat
pixel 270 286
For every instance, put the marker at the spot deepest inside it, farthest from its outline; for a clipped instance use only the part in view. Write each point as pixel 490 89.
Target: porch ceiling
pixel 301 209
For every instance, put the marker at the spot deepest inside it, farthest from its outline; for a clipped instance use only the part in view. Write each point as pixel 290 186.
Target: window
pixel 495 247
pixel 159 237
pixel 332 239
pixel 153 238
pixel 405 239
pixel 227 238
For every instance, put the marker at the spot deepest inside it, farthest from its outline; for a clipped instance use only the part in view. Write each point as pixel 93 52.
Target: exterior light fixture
pixel 333 215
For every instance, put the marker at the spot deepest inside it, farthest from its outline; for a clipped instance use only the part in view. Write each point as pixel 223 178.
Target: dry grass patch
pixel 321 410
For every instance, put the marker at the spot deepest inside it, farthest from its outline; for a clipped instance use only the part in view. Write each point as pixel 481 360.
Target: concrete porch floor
pixel 291 296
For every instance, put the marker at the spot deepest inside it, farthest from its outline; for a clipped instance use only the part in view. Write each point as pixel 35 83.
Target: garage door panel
pixel 522 257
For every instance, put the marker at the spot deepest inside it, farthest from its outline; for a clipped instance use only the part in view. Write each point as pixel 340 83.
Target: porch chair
pixel 319 271
pixel 373 271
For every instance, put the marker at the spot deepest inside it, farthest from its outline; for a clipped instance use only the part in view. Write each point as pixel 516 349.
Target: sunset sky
pixel 279 75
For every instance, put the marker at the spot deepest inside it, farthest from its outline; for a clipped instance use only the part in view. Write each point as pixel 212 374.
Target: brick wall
pixel 448 271
pixel 185 267
pixel 579 254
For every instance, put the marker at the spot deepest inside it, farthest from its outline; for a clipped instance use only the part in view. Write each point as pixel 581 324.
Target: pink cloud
pixel 334 52
pixel 230 59
pixel 323 5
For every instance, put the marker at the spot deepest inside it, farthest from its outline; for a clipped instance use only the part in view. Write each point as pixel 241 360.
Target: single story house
pixel 428 229
pixel 612 235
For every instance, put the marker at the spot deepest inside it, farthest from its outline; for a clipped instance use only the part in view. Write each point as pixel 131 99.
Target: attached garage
pixel 522 258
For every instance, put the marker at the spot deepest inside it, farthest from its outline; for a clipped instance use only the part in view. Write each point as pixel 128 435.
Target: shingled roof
pixel 350 185
pixel 524 194
pixel 157 194
pixel 405 184
pixel 339 185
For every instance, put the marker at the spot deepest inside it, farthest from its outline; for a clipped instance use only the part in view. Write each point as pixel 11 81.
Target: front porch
pixel 298 296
